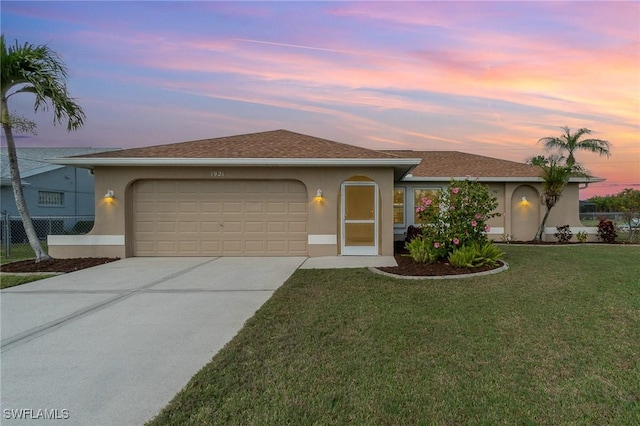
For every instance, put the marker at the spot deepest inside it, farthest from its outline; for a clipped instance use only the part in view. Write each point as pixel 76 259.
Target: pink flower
pixel 478 216
pixel 456 241
pixel 419 209
pixel 428 202
pixel 455 190
pixel 474 223
pixel 436 245
pixel 487 228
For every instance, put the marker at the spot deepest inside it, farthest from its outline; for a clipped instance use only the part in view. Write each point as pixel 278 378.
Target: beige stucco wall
pixel 115 218
pixel 519 219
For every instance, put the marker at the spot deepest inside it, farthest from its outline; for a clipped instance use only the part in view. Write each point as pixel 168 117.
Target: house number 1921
pixel 217 173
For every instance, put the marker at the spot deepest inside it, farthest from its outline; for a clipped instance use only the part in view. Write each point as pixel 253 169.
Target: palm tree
pixel 538 160
pixel 571 142
pixel 555 177
pixel 39 71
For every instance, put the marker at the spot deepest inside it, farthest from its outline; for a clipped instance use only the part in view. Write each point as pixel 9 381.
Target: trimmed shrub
pixel 564 233
pixel 464 257
pixel 422 250
pixel 490 254
pixel 582 236
pixel 607 231
pixel 474 255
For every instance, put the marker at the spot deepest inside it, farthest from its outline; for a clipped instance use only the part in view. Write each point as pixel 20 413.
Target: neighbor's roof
pixel 444 165
pixel 277 147
pixel 32 161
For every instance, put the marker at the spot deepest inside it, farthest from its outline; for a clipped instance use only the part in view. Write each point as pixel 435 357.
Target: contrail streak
pixel 322 49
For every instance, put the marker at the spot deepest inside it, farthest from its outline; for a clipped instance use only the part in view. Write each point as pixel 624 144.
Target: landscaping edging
pixel 504 267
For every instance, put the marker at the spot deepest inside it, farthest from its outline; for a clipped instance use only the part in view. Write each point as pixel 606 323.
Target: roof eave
pixel 496 179
pixel 401 166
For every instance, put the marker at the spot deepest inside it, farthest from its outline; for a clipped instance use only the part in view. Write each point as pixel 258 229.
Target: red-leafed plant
pixel 607 231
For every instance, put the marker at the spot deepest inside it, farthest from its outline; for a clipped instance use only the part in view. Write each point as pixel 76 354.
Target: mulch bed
pixel 56 265
pixel 407 267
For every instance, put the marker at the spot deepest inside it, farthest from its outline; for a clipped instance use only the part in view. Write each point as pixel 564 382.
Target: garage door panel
pixel 188 207
pixel 232 207
pixel 210 226
pixel 297 246
pixel 254 247
pixel 211 246
pixel 165 207
pixel 253 207
pixel 255 227
pixel 188 246
pixel 232 246
pixel 210 207
pixel 144 226
pixel 185 227
pixel 164 227
pixel 276 207
pixel 166 245
pixel 231 227
pixel 277 246
pixel 214 218
pixel 273 227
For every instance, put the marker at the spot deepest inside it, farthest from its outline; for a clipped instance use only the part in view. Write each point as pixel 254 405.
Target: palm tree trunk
pixel 21 205
pixel 542 225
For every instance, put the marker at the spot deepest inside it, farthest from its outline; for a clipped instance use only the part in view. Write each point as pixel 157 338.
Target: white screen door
pixel 359 218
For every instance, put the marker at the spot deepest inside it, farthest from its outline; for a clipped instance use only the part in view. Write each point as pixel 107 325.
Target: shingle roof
pixel 31 161
pixel 272 144
pixel 460 164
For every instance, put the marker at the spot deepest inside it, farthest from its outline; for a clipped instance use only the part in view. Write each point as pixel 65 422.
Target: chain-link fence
pixel 596 216
pixel 14 238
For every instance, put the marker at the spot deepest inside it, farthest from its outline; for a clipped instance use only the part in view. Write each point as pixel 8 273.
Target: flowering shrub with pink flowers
pixel 457 218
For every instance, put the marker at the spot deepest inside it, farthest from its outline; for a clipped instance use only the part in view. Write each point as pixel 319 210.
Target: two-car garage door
pixel 219 218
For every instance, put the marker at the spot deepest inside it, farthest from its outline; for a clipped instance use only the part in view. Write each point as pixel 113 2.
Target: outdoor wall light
pixel 319 193
pixel 109 195
pixel 524 201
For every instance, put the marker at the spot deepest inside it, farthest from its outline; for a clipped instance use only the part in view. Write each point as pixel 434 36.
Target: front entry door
pixel 359 218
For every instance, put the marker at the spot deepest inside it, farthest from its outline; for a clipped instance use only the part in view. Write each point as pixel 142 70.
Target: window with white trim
pixel 418 194
pixel 50 199
pixel 398 206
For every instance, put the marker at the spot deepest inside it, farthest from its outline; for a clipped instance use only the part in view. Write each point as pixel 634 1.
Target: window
pixel 419 194
pixel 398 206
pixel 46 198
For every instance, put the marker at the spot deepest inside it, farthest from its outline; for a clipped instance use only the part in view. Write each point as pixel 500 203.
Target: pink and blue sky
pixel 489 78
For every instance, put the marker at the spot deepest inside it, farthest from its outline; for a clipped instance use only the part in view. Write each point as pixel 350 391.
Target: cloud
pixel 488 77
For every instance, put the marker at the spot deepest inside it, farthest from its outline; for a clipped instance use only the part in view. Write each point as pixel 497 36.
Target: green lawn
pixel 20 251
pixel 554 340
pixel 7 281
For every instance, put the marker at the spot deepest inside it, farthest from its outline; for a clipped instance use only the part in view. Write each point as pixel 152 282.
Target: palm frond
pixel 40 71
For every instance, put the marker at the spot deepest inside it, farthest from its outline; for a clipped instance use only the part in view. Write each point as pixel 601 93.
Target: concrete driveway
pixel 111 345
